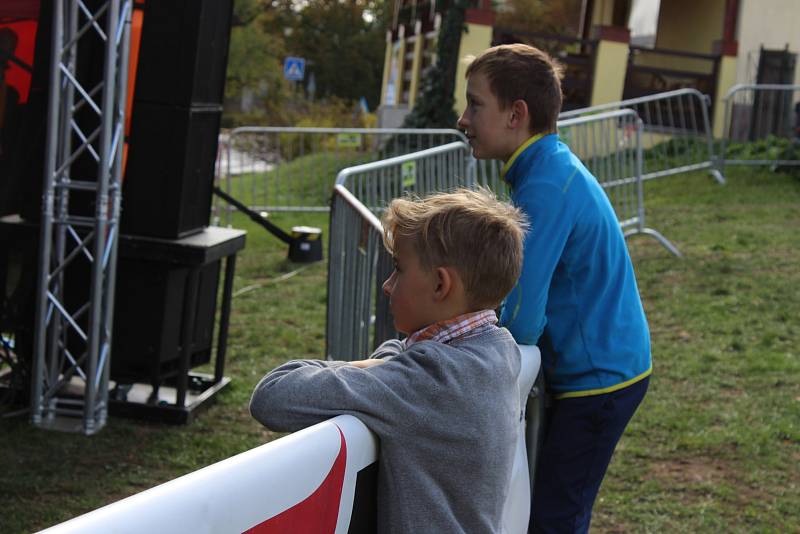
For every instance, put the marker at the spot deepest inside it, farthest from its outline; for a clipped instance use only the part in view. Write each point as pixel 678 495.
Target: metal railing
pixel 435 169
pixel 358 263
pixel 677 135
pixel 293 169
pixel 762 125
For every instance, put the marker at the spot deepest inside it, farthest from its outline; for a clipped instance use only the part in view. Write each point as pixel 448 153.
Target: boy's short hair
pixel 469 230
pixel 522 72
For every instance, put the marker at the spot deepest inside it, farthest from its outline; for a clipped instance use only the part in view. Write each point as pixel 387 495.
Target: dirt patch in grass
pixel 689 471
pixel 685 478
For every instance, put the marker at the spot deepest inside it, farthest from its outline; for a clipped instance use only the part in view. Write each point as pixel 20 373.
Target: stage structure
pixel 86 110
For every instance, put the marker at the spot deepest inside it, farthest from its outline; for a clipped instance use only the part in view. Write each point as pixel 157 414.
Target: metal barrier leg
pixel 716 173
pixel 666 243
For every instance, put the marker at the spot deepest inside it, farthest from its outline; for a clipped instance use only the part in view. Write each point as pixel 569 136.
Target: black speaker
pixel 183 52
pixel 170 172
pixel 180 81
pixel 148 312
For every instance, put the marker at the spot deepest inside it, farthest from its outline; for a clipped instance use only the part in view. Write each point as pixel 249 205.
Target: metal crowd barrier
pixel 610 146
pixel 435 169
pixel 762 125
pixel 677 135
pixel 293 169
pixel 358 263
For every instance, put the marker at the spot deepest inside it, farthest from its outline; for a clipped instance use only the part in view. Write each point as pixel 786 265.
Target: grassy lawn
pixel 714 448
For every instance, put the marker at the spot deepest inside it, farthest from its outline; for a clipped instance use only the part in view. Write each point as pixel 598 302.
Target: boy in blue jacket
pixel 577 297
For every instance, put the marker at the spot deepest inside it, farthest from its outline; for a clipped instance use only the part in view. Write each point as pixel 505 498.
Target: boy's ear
pixel 444 283
pixel 519 114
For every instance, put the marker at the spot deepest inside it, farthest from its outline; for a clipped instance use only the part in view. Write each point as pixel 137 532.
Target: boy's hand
pixel 363 364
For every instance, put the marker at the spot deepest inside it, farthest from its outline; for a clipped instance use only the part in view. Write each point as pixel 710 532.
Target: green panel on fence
pixel 408 173
pixel 348 140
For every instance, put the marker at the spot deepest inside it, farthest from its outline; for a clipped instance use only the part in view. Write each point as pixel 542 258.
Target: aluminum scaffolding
pixel 85 120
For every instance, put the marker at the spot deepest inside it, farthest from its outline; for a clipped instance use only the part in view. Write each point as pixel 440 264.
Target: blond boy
pixel 444 402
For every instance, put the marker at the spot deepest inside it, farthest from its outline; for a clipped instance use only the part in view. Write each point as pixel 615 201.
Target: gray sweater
pixel 447 416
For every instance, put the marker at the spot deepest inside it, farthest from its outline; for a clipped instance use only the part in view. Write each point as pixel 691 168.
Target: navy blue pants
pixel 580 435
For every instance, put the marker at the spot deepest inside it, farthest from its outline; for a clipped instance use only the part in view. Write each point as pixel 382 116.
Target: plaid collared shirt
pixel 445 331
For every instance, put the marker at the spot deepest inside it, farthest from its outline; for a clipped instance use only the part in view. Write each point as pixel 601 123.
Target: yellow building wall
pixel 477 38
pixel 609 72
pixel 413 87
pixel 725 80
pixel 690 25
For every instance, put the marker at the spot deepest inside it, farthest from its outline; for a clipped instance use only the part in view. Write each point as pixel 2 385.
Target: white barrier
pixel 306 480
pixel 304 483
pixel 517 509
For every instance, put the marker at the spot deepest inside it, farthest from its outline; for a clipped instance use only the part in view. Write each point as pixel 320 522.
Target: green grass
pixel 715 446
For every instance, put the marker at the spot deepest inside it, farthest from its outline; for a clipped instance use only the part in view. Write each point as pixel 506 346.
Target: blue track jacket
pixel 577 296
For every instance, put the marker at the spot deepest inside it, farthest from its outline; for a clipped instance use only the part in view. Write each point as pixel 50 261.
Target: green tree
pixel 246 11
pixel 342 40
pixel 255 58
pixel 343 47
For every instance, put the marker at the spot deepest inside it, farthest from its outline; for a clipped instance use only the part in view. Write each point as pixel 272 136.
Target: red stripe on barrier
pixel 317 514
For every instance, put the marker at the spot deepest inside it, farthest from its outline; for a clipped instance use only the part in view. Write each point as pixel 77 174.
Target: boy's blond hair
pixel 468 230
pixel 522 72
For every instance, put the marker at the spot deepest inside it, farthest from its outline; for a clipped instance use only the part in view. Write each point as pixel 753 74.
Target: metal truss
pixel 78 251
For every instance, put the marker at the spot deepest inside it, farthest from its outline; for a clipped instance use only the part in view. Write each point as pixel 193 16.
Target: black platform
pixel 186 392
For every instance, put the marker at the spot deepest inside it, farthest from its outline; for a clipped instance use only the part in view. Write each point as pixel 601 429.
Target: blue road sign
pixel 294 68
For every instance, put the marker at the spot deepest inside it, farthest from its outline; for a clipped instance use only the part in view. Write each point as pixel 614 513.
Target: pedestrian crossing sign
pixel 294 68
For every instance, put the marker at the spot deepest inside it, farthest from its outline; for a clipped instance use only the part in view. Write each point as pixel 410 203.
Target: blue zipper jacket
pixel 577 296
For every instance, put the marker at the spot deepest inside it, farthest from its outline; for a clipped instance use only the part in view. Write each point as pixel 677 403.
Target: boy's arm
pixel 301 393
pixel 387 349
pixel 390 347
pixel 523 311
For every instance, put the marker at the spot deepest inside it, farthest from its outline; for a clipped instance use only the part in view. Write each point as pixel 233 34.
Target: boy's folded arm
pixel 523 311
pixel 390 347
pixel 301 393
